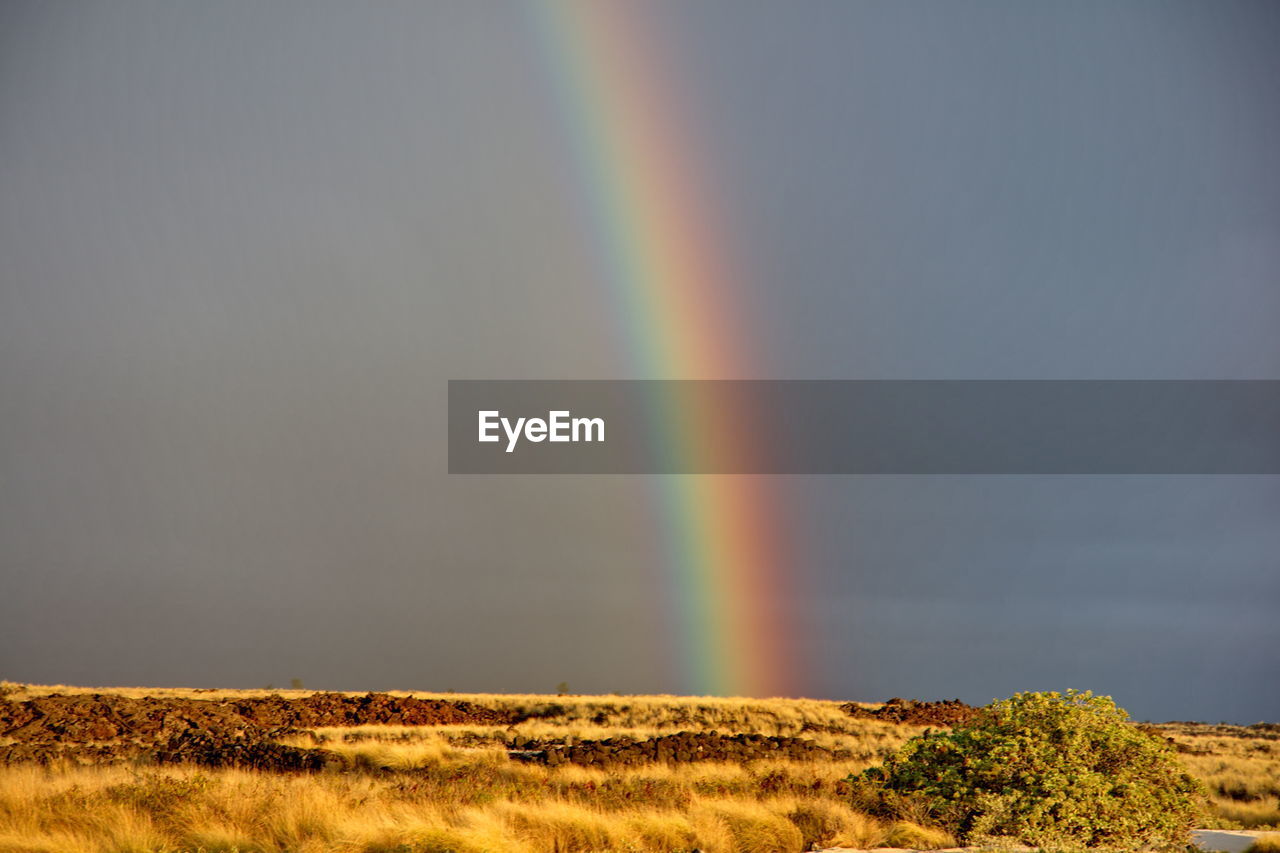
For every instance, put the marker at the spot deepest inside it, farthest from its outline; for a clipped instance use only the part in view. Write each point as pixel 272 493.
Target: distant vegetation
pixel 476 772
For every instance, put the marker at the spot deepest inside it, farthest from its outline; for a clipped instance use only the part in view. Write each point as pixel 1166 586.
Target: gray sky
pixel 243 246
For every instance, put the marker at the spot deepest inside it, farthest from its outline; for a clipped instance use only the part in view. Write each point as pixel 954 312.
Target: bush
pixel 1044 769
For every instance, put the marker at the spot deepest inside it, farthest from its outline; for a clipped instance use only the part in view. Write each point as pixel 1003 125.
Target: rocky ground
pixel 1208 840
pixel 681 747
pixel 103 728
pixel 293 734
pixel 942 714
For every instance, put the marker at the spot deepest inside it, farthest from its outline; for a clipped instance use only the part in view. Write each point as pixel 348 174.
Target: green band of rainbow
pixel 668 272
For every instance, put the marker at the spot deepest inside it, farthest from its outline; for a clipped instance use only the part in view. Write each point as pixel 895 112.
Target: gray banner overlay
pixel 864 427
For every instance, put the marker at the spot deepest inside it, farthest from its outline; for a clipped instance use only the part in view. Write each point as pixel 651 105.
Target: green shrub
pixel 1046 769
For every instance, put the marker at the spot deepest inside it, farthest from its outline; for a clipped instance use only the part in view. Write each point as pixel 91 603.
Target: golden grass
pixel 712 808
pixel 1241 772
pixel 1269 843
pixel 454 787
pixel 765 716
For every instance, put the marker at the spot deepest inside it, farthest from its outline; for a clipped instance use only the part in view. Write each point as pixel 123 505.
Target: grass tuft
pixel 1269 843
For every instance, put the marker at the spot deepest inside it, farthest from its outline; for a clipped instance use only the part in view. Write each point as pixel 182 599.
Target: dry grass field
pixel 565 773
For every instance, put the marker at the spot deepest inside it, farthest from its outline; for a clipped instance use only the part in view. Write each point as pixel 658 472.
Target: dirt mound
pixel 190 747
pixel 336 709
pixel 682 747
pixel 103 717
pixel 98 717
pixel 75 753
pixel 213 750
pixel 947 713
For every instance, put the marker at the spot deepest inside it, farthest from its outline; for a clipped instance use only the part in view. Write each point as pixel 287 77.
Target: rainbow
pixel 671 280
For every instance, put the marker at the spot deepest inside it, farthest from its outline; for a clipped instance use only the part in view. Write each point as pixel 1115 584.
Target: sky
pixel 244 246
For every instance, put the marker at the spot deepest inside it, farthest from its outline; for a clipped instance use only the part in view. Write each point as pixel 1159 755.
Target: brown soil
pixel 107 729
pixel 99 717
pixel 944 714
pixel 215 750
pixel 682 747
